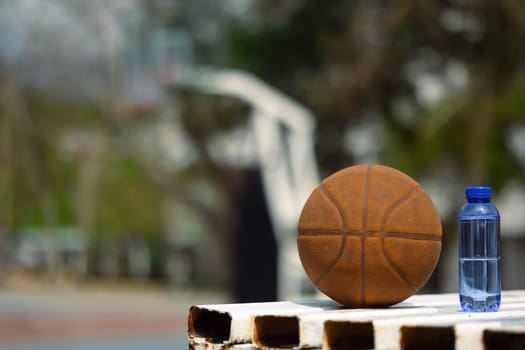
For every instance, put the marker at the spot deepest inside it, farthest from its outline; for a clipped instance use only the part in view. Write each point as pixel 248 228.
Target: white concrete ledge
pixel 233 323
pixel 424 331
pixel 305 330
pixel 420 322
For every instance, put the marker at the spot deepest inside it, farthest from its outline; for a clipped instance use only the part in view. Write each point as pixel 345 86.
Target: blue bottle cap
pixel 478 192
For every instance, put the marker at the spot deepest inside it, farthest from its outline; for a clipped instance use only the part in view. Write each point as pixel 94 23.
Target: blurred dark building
pixel 255 248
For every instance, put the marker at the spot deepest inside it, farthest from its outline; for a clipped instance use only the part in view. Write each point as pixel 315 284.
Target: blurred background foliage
pixel 349 60
pixel 436 89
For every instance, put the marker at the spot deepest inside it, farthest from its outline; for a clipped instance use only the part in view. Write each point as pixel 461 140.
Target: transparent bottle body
pixel 479 257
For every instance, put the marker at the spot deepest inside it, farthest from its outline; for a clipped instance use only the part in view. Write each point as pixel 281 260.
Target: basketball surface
pixel 369 235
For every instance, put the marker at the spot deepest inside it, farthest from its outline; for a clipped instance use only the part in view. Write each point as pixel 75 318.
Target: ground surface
pixel 96 317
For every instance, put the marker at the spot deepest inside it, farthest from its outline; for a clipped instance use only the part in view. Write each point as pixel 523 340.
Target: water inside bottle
pixel 479 290
pixel 479 265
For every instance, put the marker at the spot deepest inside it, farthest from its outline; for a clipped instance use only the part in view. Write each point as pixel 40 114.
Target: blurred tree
pixel 445 78
pixel 77 100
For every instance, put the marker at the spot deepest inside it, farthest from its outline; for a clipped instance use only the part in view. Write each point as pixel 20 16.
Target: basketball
pixel 369 235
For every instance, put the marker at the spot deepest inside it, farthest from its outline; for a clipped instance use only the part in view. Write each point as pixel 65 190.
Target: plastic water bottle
pixel 479 252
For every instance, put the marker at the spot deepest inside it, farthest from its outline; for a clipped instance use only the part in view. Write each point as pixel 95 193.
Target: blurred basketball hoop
pixel 282 133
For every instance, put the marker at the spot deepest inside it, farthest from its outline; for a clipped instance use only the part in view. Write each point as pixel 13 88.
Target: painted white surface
pixel 432 310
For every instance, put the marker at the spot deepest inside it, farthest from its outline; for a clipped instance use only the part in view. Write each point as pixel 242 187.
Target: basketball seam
pixel 363 229
pixel 396 205
pixel 419 236
pixel 388 213
pixel 335 203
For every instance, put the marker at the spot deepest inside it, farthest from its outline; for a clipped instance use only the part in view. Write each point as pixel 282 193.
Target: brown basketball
pixel 369 235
